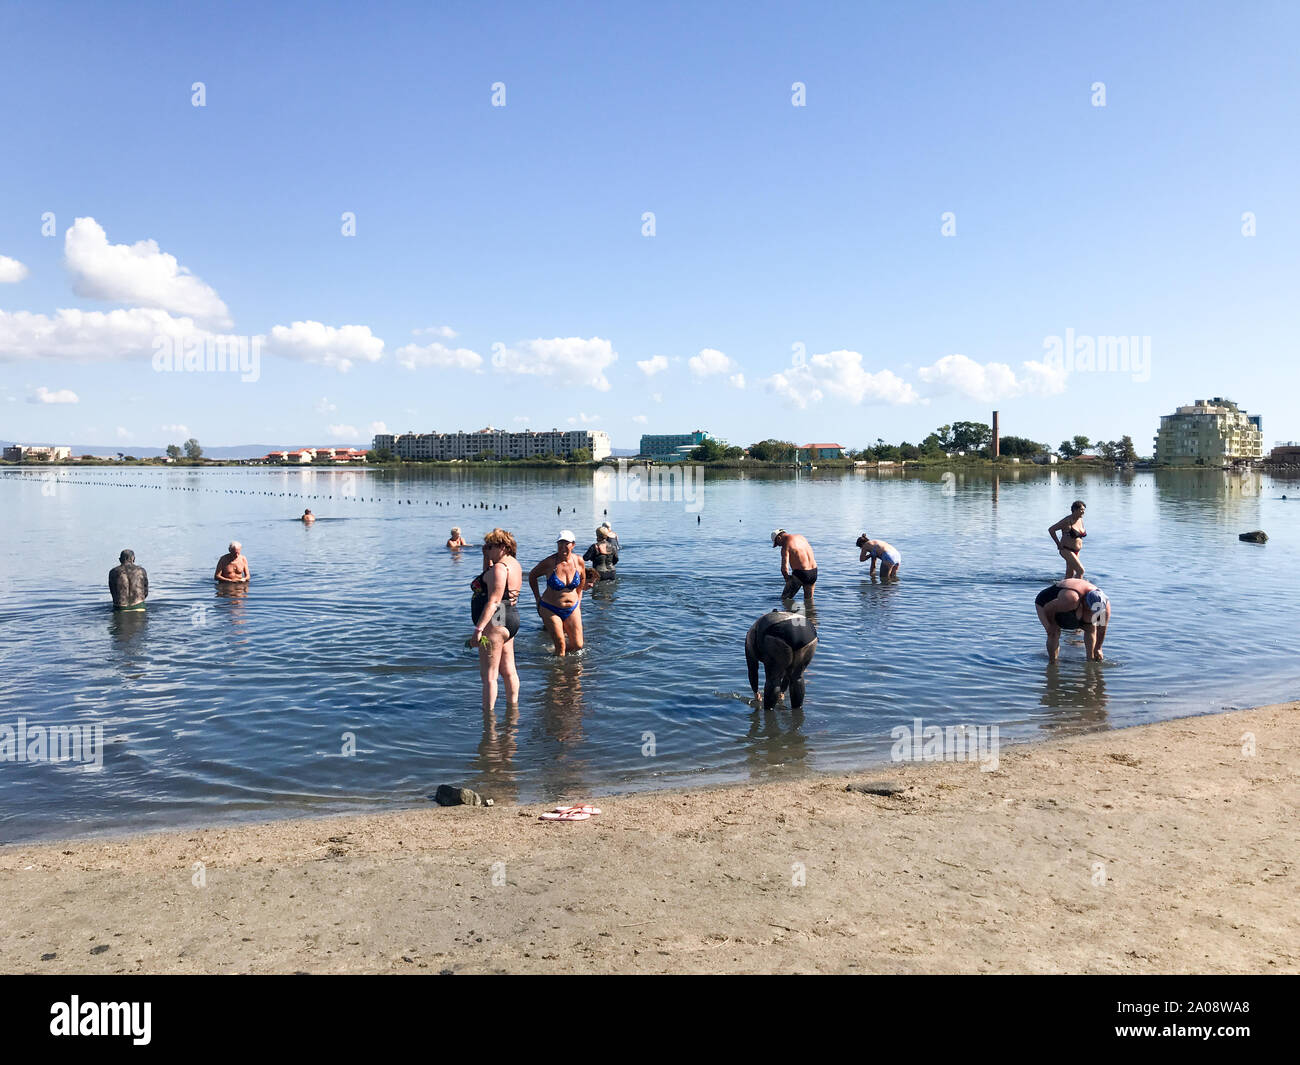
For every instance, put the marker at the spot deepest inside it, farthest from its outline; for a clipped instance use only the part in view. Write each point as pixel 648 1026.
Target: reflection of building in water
pixel 1209 433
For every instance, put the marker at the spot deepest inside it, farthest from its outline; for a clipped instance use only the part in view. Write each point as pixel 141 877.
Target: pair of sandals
pixel 570 813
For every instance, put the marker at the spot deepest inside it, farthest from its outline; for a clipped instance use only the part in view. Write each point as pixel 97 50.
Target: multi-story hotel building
pixel 37 453
pixel 497 443
pixel 671 447
pixel 1209 433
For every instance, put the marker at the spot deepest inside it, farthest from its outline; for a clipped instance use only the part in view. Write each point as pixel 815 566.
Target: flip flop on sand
pixel 593 810
pixel 565 815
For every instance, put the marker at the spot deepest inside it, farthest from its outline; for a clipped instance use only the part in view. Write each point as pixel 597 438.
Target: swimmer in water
pixel 308 517
pixel 455 542
pixel 232 567
pixel 798 566
pixel 494 610
pixel 1071 538
pixel 603 554
pixel 879 551
pixel 785 643
pixel 128 583
pixel 558 606
pixel 1072 604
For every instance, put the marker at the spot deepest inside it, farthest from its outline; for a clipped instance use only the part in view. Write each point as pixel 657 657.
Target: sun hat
pixel 566 534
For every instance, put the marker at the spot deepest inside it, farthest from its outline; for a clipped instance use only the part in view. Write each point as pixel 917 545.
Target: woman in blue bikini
pixel 558 605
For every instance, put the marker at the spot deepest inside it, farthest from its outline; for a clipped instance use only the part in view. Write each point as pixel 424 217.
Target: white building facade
pixel 495 443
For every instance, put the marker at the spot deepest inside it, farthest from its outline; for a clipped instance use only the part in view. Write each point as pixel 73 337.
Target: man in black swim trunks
pixel 785 643
pixel 798 566
pixel 128 583
pixel 1074 603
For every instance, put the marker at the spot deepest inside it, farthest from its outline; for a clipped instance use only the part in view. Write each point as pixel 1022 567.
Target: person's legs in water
pixel 777 656
pixel 509 674
pixel 489 664
pixel 554 628
pixel 791 588
pixel 573 630
pixel 801 659
pixel 1073 567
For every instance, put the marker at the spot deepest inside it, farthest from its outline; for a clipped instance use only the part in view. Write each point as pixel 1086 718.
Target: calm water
pixel 218 708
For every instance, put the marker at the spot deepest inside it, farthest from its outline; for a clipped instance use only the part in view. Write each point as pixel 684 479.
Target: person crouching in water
pixel 1074 603
pixel 785 643
pixel 558 606
pixel 878 551
pixel 603 554
pixel 455 541
pixel 495 614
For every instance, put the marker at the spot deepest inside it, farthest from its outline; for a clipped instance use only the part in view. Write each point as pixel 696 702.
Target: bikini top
pixel 553 582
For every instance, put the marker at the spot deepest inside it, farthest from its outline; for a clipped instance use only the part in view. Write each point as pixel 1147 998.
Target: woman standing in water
pixel 558 604
pixel 603 554
pixel 496 616
pixel 1071 539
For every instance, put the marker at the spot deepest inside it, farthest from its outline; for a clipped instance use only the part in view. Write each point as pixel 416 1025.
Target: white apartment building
pixel 498 443
pixel 35 453
pixel 1209 433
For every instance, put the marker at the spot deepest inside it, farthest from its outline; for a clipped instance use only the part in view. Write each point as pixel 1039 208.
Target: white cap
pixel 777 533
pixel 566 534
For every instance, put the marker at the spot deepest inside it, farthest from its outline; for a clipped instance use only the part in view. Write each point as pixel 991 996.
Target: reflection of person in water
pixel 128 583
pixel 1076 697
pixel 1074 604
pixel 494 766
pixel 784 642
pixel 562 703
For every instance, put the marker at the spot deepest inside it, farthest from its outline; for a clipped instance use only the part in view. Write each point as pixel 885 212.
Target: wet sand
pixel 1156 849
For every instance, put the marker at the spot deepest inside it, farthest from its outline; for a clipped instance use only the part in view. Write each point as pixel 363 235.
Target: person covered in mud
pixel 603 554
pixel 128 583
pixel 784 642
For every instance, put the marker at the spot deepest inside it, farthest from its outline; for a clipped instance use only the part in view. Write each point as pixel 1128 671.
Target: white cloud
pixel 44 395
pixel 337 347
pixel 11 271
pixel 176 430
pixel 585 419
pixel 840 374
pixel 522 419
pixel 325 406
pixel 994 381
pixel 90 336
pixel 640 419
pixel 123 433
pixel 563 361
pixel 140 274
pixel 658 397
pixel 340 431
pixel 377 428
pixel 444 331
pixel 710 361
pixel 439 356
pixel 653 365
pixel 736 380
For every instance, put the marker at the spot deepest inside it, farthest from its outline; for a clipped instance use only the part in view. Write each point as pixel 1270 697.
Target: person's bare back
pixel 128 583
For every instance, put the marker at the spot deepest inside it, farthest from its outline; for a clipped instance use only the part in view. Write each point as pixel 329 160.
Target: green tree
pixel 581 454
pixel 1126 452
pixel 773 451
pixel 380 454
pixel 909 452
pixel 192 450
pixel 932 445
pixel 1019 446
pixel 944 435
pixel 709 450
pixel 971 436
pixel 173 452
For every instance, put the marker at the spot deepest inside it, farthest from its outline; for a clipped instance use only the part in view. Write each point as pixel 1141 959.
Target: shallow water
pixel 224 707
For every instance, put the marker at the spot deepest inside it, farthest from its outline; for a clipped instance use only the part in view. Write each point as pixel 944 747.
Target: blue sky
pixel 776 226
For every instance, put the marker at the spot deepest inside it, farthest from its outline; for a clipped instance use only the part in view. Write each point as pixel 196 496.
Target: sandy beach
pixel 1157 849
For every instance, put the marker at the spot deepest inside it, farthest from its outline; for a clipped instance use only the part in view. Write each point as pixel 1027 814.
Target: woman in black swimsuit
pixel 494 609
pixel 1072 534
pixel 603 554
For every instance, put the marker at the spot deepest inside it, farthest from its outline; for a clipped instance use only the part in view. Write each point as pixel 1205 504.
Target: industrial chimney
pixel 997 440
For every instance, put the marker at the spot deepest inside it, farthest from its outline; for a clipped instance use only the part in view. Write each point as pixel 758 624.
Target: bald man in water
pixel 232 567
pixel 128 583
pixel 798 566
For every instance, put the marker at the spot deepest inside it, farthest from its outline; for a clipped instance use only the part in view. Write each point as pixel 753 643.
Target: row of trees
pixel 192 450
pixel 972 438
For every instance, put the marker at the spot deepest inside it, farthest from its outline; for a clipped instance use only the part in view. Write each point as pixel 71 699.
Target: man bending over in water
pixel 232 567
pixel 798 566
pixel 308 517
pixel 785 643
pixel 1074 603
pixel 128 583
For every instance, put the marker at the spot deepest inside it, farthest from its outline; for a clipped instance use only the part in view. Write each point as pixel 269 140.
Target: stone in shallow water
pixel 883 787
pixel 446 795
pixel 1259 536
